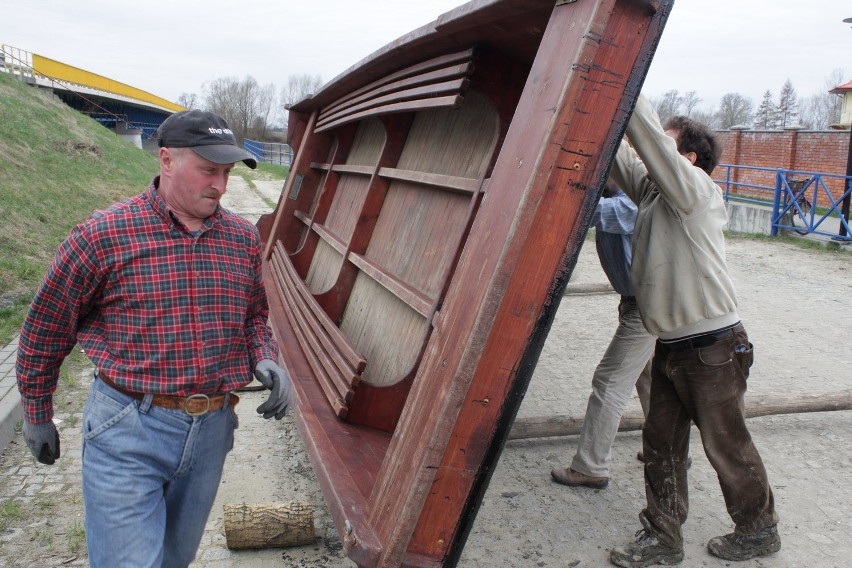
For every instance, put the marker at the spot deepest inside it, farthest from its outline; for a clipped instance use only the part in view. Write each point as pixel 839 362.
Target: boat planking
pixel 438 198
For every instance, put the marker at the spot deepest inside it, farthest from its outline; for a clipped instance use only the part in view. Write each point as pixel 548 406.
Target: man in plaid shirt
pixel 164 292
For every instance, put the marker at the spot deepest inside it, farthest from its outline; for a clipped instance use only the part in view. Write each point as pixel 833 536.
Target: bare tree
pixel 814 113
pixel 734 109
pixel 822 109
pixel 766 117
pixel 689 102
pixel 706 116
pixel 299 87
pixel 836 78
pixel 247 106
pixel 668 106
pixel 672 103
pixel 188 100
pixel 788 110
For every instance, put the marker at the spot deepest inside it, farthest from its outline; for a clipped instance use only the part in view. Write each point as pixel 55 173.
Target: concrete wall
pixel 748 218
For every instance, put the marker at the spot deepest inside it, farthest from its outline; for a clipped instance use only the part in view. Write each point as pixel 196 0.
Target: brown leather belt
pixel 194 404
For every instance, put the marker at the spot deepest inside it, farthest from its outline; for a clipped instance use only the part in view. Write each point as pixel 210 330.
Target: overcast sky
pixel 172 47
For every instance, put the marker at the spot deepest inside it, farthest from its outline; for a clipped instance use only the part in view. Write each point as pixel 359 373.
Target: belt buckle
pixel 187 400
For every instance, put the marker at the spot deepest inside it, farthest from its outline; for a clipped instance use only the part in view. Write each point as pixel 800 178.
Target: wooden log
pixel 269 525
pixel 561 425
pixel 577 289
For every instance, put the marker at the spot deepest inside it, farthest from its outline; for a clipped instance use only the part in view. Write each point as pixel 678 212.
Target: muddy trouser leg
pixel 665 445
pixel 711 384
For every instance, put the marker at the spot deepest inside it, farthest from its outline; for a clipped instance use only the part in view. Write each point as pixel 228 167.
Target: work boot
pixel 740 546
pixel 571 478
pixel 646 550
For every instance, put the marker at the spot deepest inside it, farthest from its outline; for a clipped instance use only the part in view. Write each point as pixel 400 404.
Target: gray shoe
pixel 738 546
pixel 646 550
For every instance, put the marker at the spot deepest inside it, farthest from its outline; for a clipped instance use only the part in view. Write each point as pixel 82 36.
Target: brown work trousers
pixel 704 385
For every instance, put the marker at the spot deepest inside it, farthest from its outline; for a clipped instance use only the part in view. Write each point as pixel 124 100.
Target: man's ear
pixel 167 160
pixel 691 156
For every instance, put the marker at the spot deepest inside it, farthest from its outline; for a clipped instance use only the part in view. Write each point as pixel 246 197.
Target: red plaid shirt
pixel 157 309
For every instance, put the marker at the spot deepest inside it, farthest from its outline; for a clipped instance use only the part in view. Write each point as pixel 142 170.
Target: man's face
pixel 191 185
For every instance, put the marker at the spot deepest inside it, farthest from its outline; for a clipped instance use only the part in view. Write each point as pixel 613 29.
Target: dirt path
pixel 796 306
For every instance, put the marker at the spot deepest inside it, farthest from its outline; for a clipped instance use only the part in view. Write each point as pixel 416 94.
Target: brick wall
pixel 824 152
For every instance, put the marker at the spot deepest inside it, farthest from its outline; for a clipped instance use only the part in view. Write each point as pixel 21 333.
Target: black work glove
pixel 43 441
pixel 277 380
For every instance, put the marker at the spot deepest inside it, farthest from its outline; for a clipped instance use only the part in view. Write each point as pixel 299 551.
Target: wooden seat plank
pixel 302 216
pixel 422 68
pixel 415 299
pixel 316 361
pixel 357 170
pixel 450 183
pixel 324 352
pixel 341 342
pixel 433 77
pixel 450 101
pixel 377 105
pixel 329 353
pixel 333 240
pixel 333 397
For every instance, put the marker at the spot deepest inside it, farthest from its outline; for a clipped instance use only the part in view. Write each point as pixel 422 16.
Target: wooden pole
pixel 561 425
pixel 269 525
pixel 581 289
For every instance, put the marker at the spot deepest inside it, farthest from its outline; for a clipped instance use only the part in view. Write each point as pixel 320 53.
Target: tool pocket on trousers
pixel 745 356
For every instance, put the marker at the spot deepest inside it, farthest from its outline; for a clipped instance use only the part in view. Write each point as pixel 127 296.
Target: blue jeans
pixel 150 476
pixel 706 386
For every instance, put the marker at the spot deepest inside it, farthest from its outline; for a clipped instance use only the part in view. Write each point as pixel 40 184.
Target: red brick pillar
pixel 792 141
pixel 736 158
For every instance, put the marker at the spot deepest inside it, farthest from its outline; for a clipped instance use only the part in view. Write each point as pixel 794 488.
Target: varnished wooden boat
pixel 440 191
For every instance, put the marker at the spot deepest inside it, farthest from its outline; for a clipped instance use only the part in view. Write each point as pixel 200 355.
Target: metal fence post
pixel 776 205
pixel 844 210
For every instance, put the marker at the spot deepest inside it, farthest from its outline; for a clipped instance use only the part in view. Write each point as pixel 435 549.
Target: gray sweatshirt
pixel 679 271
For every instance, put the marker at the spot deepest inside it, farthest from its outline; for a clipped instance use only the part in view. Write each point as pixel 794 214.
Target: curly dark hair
pixel 693 136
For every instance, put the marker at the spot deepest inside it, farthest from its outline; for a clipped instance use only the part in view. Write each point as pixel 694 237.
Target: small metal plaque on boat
pixel 297 185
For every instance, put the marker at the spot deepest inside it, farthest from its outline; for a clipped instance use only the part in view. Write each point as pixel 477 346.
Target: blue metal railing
pixel 792 194
pixel 269 152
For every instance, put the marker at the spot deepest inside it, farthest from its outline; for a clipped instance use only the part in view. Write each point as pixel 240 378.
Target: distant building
pixel 844 90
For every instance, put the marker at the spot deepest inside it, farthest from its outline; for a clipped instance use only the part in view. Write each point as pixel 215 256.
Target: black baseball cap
pixel 206 134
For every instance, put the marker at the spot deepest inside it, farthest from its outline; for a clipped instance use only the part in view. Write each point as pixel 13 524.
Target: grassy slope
pixel 56 167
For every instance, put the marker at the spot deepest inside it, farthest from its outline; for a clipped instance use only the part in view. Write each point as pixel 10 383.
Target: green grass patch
pixel 273 171
pixel 817 246
pixel 11 509
pixel 56 167
pixel 76 537
pixel 44 503
pixel 44 537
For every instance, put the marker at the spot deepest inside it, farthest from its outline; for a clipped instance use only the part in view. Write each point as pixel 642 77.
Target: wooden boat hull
pixel 439 196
